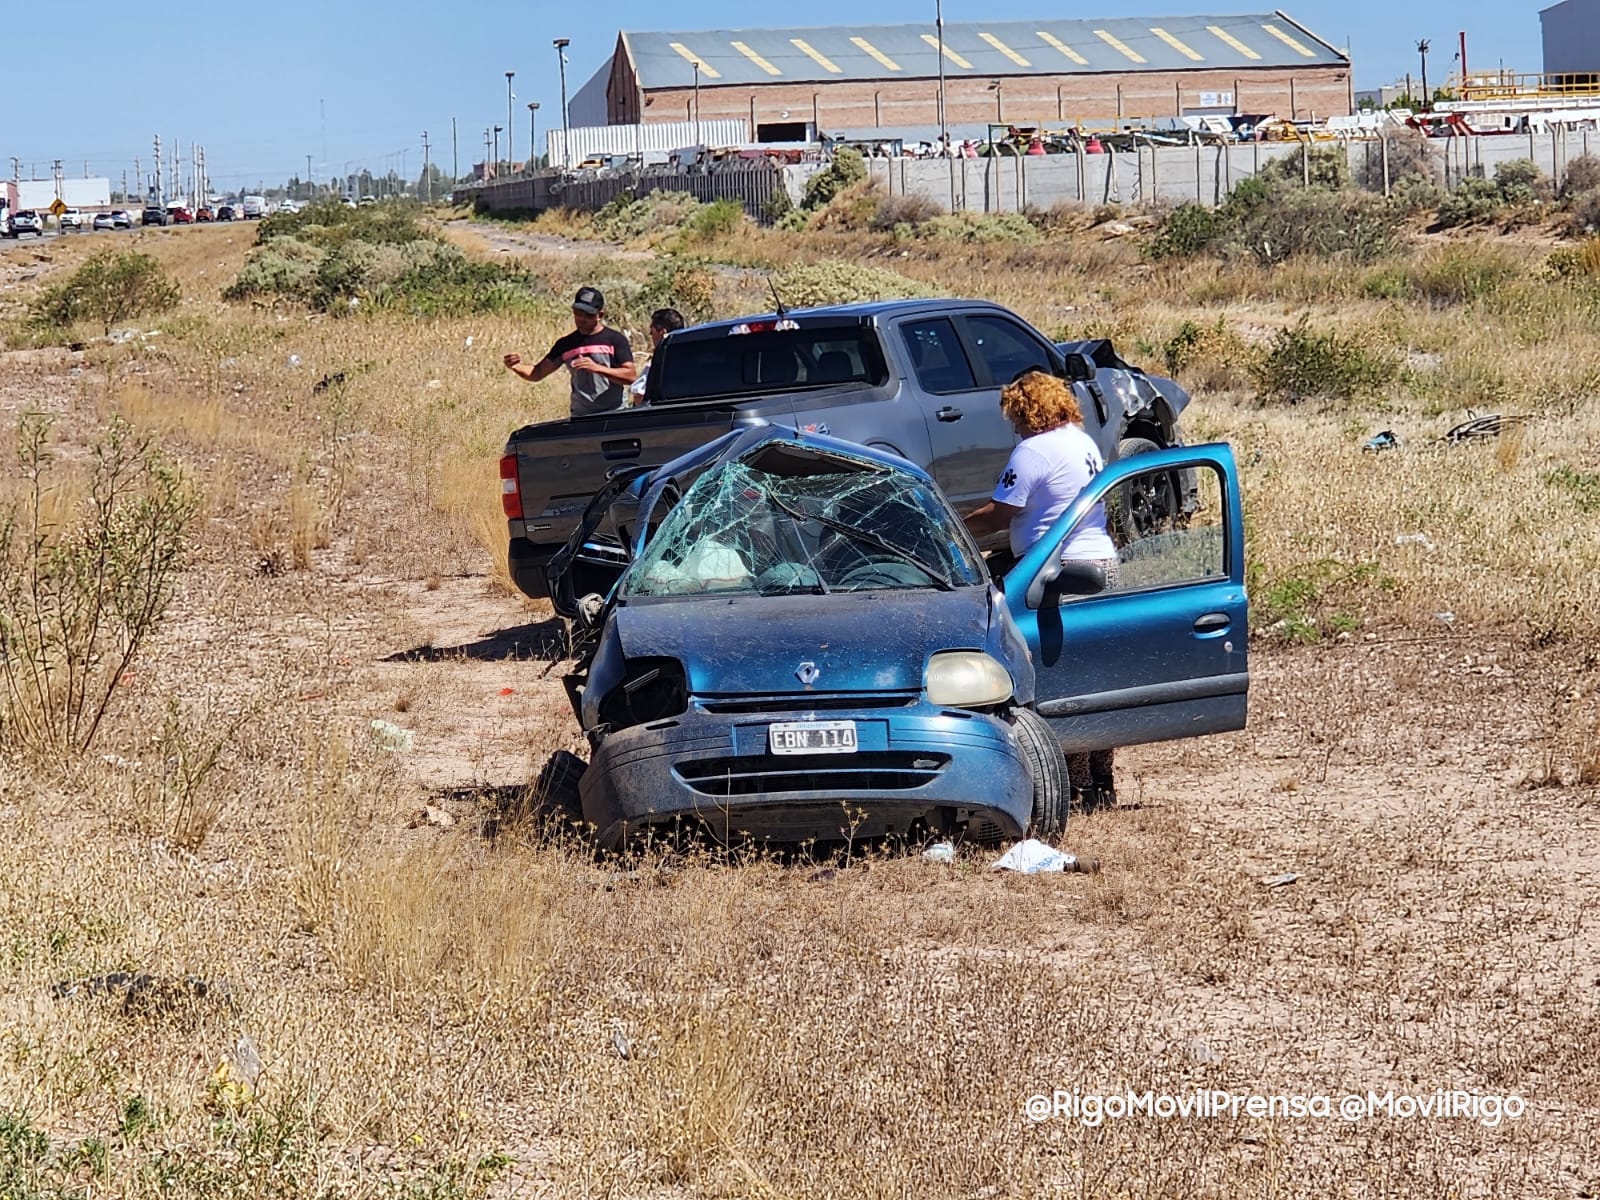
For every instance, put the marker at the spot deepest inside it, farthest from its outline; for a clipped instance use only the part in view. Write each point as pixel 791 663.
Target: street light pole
pixel 511 155
pixel 533 135
pixel 497 152
pixel 561 45
pixel 1422 49
pixel 697 102
pixel 944 125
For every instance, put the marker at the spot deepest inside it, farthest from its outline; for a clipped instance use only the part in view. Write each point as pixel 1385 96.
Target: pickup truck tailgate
pixel 558 472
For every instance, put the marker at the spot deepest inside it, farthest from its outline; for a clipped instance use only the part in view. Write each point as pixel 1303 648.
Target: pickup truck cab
pixel 920 379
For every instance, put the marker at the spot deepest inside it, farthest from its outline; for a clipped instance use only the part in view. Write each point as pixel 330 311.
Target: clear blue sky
pixel 262 87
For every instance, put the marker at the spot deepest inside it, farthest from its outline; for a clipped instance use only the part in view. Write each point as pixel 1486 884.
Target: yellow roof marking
pixel 1117 45
pixel 816 56
pixel 1176 44
pixel 1050 39
pixel 1005 49
pixel 1289 41
pixel 863 44
pixel 1223 35
pixel 948 53
pixel 690 56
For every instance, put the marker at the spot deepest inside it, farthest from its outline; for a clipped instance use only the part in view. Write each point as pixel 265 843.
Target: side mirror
pixel 1060 579
pixel 1079 368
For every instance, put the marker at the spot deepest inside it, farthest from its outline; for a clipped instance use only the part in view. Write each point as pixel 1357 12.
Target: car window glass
pixel 1005 348
pixel 1157 545
pixel 937 357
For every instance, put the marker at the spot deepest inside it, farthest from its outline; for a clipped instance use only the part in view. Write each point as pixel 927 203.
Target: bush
pixel 1473 202
pixel 847 168
pixel 1414 195
pixel 1328 167
pixel 1461 274
pixel 982 228
pixel 1285 222
pixel 709 222
pixel 815 284
pixel 109 288
pixel 1189 229
pixel 285 268
pixel 1521 182
pixel 1581 262
pixel 329 224
pixel 1583 175
pixel 1410 159
pixel 78 599
pixel 626 218
pixel 679 283
pixel 912 210
pixel 1583 212
pixel 1302 365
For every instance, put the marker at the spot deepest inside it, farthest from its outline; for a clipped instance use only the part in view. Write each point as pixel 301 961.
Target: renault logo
pixel 807 673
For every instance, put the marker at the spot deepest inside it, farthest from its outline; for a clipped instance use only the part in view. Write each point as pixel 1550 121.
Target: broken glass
pixel 789 521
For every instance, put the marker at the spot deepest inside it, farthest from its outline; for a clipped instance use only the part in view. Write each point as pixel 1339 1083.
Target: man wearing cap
pixel 598 360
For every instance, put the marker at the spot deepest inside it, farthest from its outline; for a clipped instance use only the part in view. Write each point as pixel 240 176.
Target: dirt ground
pixel 1384 884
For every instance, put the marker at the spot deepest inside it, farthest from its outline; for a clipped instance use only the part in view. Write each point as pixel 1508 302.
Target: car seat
pixel 834 366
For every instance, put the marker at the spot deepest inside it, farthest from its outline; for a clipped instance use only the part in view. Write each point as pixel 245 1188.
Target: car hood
pixel 855 641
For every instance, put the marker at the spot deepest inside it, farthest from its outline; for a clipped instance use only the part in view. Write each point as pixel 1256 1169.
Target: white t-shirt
pixel 1043 476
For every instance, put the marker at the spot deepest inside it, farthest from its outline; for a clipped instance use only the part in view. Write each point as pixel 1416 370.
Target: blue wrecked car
pixel 803 643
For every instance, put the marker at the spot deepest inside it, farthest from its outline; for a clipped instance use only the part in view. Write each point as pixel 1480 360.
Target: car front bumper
pixel 918 766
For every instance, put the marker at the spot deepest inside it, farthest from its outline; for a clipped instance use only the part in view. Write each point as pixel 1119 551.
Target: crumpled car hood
pixel 856 641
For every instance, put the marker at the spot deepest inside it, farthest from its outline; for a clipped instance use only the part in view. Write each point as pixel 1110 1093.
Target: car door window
pixel 937 357
pixel 1176 553
pixel 1005 348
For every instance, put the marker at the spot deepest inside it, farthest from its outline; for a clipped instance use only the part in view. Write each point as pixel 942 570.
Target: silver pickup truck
pixel 917 378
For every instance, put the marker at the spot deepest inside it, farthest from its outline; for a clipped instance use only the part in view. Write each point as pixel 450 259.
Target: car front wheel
pixel 1150 504
pixel 1047 766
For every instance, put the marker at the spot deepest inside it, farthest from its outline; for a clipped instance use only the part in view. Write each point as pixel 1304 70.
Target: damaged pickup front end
pixel 803 644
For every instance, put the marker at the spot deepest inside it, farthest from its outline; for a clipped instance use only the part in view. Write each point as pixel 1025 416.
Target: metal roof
pixel 976 48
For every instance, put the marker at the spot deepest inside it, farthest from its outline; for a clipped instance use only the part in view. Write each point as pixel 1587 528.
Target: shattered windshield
pixel 787 523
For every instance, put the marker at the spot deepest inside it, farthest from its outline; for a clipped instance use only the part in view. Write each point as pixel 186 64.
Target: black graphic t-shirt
pixel 593 393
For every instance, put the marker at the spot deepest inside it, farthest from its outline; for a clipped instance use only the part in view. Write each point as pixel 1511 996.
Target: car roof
pixel 845 313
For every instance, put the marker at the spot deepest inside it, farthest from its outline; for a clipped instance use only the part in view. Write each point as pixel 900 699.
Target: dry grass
pixel 443 1013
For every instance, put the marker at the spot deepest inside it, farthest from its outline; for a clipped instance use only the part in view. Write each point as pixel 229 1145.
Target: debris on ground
pixel 1034 857
pixel 1283 880
pixel 432 815
pixel 1414 539
pixel 143 994
pixel 392 737
pixel 940 852
pixel 1481 427
pixel 1384 440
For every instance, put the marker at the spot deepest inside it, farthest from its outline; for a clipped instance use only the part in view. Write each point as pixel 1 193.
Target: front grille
pixel 810 702
pixel 765 774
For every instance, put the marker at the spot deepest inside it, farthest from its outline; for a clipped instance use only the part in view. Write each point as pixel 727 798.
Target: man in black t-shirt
pixel 598 360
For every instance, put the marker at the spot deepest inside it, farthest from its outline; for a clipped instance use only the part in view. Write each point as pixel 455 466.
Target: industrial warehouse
pixel 791 85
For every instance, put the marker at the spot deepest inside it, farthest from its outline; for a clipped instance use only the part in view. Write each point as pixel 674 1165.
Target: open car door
pixel 1160 652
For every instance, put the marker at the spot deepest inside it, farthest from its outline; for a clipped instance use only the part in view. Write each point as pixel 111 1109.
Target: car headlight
pixel 966 679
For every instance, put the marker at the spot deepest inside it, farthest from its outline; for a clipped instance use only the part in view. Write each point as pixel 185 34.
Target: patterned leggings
pixel 1095 769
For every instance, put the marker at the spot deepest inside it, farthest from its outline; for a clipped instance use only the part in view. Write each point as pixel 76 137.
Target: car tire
pixel 1047 766
pixel 554 796
pixel 1153 507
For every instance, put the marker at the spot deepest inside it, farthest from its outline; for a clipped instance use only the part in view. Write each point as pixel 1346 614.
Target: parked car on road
pixel 121 218
pixel 227 213
pixel 203 213
pixel 806 644
pixel 180 214
pixel 103 221
pixel 155 216
pixel 71 220
pixel 26 221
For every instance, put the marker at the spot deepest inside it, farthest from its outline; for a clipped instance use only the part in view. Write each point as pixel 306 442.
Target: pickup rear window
pixel 764 361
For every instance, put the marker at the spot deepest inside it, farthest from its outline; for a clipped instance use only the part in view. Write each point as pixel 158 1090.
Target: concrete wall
pixel 1052 100
pixel 1149 175
pixel 1571 33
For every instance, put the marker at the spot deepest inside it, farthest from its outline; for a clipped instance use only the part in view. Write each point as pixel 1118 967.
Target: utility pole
pixel 455 157
pixel 486 155
pixel 561 45
pixel 160 197
pixel 124 185
pixel 511 155
pixel 308 177
pixel 138 179
pixel 533 136
pixel 1427 98
pixel 55 172
pixel 427 182
pixel 16 169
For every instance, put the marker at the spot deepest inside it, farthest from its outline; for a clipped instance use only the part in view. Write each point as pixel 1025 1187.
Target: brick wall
pixel 1315 92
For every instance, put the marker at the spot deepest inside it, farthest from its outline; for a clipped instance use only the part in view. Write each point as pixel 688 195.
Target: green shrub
pixel 1581 262
pixel 680 283
pixel 1287 222
pixel 108 288
pixel 778 206
pixel 1411 159
pixel 1521 182
pixel 834 282
pixel 627 218
pixel 1582 175
pixel 1473 202
pixel 982 228
pixel 847 168
pixel 1415 194
pixel 285 268
pixel 1328 167
pixel 712 221
pixel 330 223
pixel 1583 212
pixel 1302 364
pixel 1188 230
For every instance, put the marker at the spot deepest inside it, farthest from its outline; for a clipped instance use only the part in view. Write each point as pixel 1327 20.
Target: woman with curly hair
pixel 1055 461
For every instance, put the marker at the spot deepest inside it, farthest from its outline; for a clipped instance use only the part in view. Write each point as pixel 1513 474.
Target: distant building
pixel 1571 34
pixel 788 82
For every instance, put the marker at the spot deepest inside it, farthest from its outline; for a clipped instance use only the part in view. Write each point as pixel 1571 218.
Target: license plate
pixel 813 737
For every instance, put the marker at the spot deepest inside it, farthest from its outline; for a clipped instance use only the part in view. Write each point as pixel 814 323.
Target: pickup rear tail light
pixel 510 493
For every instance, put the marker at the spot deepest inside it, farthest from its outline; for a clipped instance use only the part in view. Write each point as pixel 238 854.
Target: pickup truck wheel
pixel 554 796
pixel 1149 505
pixel 1048 768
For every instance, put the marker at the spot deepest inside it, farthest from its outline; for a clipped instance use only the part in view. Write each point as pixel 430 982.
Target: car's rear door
pixel 968 438
pixel 1162 653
